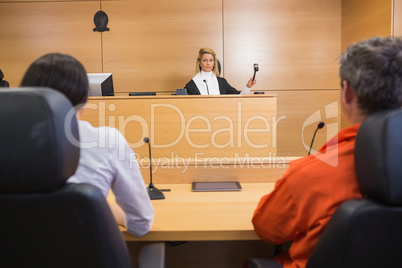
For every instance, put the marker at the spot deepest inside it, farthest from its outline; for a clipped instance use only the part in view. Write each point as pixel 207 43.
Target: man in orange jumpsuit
pixel 313 187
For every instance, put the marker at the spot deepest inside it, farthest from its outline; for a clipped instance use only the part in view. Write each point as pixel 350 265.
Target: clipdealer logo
pixel 330 111
pixel 237 128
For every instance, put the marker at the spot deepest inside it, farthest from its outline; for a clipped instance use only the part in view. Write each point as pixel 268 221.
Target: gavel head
pixel 256 67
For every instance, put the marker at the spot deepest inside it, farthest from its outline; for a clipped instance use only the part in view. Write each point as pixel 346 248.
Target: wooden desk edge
pixel 239 235
pixel 120 96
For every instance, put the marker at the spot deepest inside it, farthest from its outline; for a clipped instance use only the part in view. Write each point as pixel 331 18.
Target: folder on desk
pixel 216 186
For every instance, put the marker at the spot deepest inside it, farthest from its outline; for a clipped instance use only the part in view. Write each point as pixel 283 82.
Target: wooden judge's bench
pixel 200 138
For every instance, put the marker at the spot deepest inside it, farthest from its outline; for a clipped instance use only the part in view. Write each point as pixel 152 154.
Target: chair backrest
pixel 218 65
pixel 3 83
pixel 367 232
pixel 46 222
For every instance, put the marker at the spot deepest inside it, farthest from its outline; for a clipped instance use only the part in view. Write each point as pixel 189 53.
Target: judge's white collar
pixel 207 83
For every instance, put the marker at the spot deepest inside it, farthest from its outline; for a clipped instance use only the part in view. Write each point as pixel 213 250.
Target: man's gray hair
pixel 373 68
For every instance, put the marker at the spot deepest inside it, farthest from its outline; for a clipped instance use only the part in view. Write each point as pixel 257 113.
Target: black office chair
pixel 367 232
pixel 3 83
pixel 46 222
pixel 218 65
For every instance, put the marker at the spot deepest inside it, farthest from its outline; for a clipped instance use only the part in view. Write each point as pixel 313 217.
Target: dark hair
pixel 373 68
pixel 60 72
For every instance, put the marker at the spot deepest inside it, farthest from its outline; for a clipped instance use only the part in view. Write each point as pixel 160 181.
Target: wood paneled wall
pixel 297 46
pixel 30 29
pixel 152 45
pixel 363 19
pixel 295 43
pixel 397 18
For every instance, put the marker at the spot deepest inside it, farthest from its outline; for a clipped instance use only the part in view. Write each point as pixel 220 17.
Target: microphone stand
pixel 153 192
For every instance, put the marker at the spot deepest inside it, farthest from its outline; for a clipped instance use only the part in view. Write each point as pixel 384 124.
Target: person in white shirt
pixel 106 160
pixel 207 81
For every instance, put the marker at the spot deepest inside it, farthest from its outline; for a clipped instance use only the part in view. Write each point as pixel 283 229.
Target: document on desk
pixel 217 186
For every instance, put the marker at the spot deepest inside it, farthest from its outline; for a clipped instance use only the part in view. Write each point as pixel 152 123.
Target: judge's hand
pixel 251 83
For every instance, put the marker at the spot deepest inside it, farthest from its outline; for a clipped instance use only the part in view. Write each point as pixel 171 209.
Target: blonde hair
pixel 201 52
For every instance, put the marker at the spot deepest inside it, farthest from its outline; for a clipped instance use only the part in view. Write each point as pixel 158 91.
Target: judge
pixel 207 81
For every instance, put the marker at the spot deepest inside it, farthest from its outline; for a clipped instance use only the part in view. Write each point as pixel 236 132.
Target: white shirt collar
pixel 207 82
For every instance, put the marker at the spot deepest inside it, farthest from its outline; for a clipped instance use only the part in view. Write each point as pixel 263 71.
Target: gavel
pixel 255 70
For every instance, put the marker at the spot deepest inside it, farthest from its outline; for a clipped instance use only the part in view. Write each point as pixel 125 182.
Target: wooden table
pixel 203 216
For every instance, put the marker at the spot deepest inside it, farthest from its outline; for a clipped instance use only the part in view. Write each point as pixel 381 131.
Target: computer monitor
pixel 100 84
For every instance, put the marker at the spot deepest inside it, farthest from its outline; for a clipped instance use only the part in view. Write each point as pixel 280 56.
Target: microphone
pixel 205 81
pixel 153 192
pixel 255 70
pixel 319 126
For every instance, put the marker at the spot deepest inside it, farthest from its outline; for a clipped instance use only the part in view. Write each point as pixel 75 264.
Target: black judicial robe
pixel 224 87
